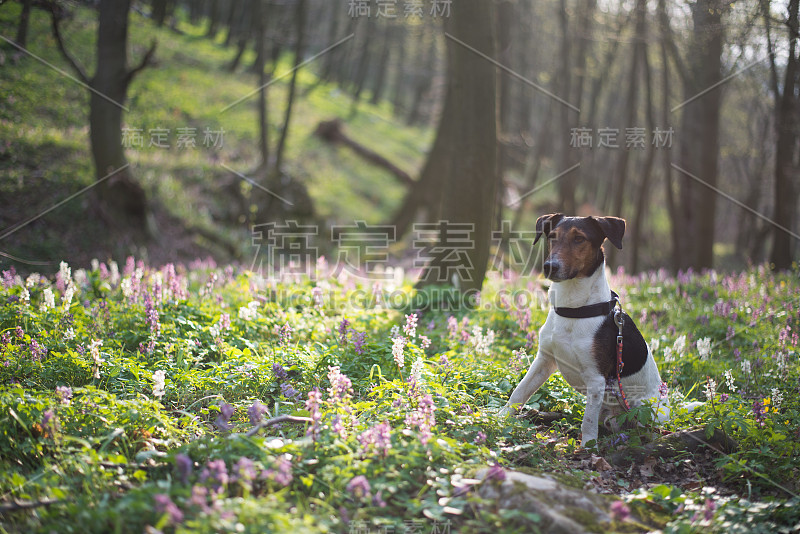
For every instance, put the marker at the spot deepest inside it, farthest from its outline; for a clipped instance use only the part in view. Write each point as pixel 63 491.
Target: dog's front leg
pixel 542 367
pixel 595 389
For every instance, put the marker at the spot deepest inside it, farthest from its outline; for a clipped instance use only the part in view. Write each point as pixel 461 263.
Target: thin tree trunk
pixel 22 27
pixel 383 67
pixel 641 204
pixel 566 186
pixel 300 18
pixel 786 155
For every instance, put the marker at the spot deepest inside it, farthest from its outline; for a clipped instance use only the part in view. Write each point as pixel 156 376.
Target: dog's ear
pixel 545 225
pixel 613 228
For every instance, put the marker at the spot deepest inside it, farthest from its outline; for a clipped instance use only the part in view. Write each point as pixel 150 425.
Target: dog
pixel 585 349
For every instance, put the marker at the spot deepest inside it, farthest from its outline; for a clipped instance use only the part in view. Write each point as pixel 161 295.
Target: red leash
pixel 619 320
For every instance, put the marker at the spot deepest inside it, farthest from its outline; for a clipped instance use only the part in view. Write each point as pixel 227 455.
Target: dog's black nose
pixel 549 267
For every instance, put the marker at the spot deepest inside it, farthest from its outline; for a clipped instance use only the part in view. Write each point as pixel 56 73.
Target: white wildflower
pixel 777 398
pixel 655 344
pixel 69 334
pixel 746 367
pixel 32 280
pixel 97 360
pixel 729 381
pixel 680 345
pixel 668 355
pixel 49 300
pixel 416 371
pixel 114 270
pixel 704 347
pixel 710 388
pixel 25 296
pixel 398 344
pixel 66 300
pixel 65 272
pixel 127 287
pixel 159 384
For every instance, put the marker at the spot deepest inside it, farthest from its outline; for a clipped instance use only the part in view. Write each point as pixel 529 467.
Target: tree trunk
pixel 383 66
pixel 786 155
pixel 641 203
pixel 213 19
pixel 566 186
pixel 699 139
pixel 263 111
pixel 300 19
pixel 22 27
pixel 399 85
pixel 665 45
pixel 470 185
pixel 122 197
pixel 423 77
pixel 363 67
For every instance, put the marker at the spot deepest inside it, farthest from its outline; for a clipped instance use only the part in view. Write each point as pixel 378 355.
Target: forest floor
pixel 136 398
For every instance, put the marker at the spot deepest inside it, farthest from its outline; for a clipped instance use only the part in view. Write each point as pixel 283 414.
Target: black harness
pixel 591 310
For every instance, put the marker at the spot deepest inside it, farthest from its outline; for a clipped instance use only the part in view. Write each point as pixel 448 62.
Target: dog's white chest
pixel 570 341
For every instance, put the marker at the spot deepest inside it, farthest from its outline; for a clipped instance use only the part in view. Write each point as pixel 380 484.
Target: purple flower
pixel 312 405
pixel 358 341
pixel 619 439
pixel 359 487
pixel 480 438
pixel 282 474
pixel 19 332
pixel 164 505
pixel 378 501
pixel 37 351
pixel 708 510
pixel 620 511
pixel 64 394
pixel 223 420
pixel 758 412
pixel 495 472
pixel 199 498
pixel 49 423
pixel 279 372
pixel 422 419
pixel 256 412
pixel 341 386
pixel 343 329
pixel 410 328
pixel 216 474
pixel 288 391
pixel 244 472
pixel 377 439
pixel 184 465
pixel 724 397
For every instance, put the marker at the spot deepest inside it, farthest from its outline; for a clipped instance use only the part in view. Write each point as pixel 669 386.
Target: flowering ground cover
pixel 202 398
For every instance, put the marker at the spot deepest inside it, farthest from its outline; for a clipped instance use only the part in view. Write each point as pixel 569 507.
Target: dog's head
pixel 575 243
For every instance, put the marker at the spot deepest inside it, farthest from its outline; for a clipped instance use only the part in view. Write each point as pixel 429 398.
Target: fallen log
pixel 671 445
pixel 332 132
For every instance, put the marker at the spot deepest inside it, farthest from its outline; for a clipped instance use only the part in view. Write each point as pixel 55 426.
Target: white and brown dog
pixel 579 337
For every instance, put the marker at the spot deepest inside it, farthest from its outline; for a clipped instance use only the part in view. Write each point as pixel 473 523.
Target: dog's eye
pixel 579 239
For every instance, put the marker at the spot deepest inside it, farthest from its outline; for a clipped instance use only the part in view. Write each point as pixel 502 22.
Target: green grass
pixel 111 452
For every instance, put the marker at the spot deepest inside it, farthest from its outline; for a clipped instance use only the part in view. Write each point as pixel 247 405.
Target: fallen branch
pixel 332 132
pixel 674 444
pixel 277 420
pixel 15 506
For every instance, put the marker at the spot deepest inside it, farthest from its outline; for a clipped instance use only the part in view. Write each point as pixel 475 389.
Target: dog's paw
pixel 506 412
